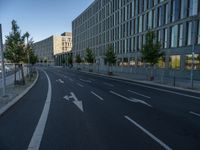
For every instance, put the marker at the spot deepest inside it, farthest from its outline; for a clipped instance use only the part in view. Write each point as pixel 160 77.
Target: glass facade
pixel 124 24
pixel 175 61
pixel 188 61
pixel 174 36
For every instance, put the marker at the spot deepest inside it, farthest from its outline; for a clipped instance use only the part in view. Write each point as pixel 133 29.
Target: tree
pixel 89 57
pixel 151 51
pixel 110 57
pixel 70 60
pixel 15 49
pixel 78 60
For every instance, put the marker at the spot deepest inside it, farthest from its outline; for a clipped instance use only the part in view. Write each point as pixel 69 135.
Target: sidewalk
pixel 184 84
pixel 15 92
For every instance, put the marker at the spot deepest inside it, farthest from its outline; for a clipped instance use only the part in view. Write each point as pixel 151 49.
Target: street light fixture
pixel 193 51
pixel 2 63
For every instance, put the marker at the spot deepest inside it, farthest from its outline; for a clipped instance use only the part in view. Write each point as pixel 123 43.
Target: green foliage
pixel 89 56
pixel 15 46
pixel 110 55
pixel 151 51
pixel 70 59
pixel 78 59
pixel 33 58
pixel 63 61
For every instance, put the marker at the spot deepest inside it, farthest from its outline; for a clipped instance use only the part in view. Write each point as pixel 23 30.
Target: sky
pixel 41 18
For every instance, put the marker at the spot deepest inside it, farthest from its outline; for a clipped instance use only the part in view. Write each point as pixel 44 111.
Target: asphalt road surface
pixel 71 110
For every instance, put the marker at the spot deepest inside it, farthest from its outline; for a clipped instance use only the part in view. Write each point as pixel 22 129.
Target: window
pixel 173 10
pixel 165 37
pixel 150 20
pixel 174 36
pixel 161 62
pixel 188 62
pixel 166 12
pixel 159 16
pixel 175 61
pixel 189 33
pixel 198 38
pixel 193 7
pixel 183 8
pixel 180 43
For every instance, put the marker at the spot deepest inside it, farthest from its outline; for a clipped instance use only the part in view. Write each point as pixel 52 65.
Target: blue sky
pixel 41 18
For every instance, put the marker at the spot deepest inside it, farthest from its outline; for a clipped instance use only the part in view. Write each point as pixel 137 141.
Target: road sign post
pixel 2 63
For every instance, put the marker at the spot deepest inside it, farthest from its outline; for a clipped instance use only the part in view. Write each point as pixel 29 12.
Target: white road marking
pixel 163 90
pixel 132 99
pixel 139 94
pixel 39 130
pixel 88 81
pixel 79 84
pixel 149 134
pixel 158 89
pixel 108 84
pixel 196 114
pixel 61 81
pixel 97 95
pixel 77 102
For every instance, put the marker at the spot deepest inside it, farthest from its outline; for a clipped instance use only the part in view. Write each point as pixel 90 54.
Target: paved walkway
pixel 13 91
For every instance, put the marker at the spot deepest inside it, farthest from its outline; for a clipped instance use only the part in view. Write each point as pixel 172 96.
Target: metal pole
pixel 2 63
pixel 193 45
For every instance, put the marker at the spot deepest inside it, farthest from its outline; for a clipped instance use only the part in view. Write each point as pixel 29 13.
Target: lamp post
pixel 193 53
pixel 2 63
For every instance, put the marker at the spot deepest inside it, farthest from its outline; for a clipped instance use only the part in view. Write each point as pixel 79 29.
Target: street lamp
pixel 2 63
pixel 193 53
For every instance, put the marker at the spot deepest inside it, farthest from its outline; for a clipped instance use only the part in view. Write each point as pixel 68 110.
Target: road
pixel 70 110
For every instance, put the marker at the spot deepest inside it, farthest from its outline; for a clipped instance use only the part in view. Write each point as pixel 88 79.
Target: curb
pixel 16 99
pixel 143 82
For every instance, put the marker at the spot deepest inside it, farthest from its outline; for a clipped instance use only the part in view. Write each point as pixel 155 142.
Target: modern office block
pixel 57 44
pixel 124 24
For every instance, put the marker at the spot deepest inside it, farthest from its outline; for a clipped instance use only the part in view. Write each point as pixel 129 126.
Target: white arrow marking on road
pixel 131 100
pixel 77 102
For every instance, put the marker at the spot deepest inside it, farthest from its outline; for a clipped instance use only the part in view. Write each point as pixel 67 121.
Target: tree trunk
pixel 22 72
pixel 15 75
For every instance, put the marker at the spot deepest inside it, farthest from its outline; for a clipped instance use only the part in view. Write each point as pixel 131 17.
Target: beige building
pixel 56 44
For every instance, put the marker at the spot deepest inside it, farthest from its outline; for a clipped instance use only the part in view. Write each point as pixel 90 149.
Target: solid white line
pixel 108 84
pixel 139 94
pixel 196 114
pixel 97 95
pixel 149 134
pixel 79 84
pixel 38 133
pixel 132 99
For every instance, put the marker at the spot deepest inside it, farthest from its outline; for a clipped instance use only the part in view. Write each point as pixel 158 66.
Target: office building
pixel 54 45
pixel 124 24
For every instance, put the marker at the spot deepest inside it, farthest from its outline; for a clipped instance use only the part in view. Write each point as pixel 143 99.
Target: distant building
pixel 56 44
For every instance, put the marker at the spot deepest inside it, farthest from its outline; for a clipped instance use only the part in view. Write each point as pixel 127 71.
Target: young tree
pixel 78 60
pixel 70 60
pixel 15 49
pixel 151 51
pixel 110 58
pixel 89 57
